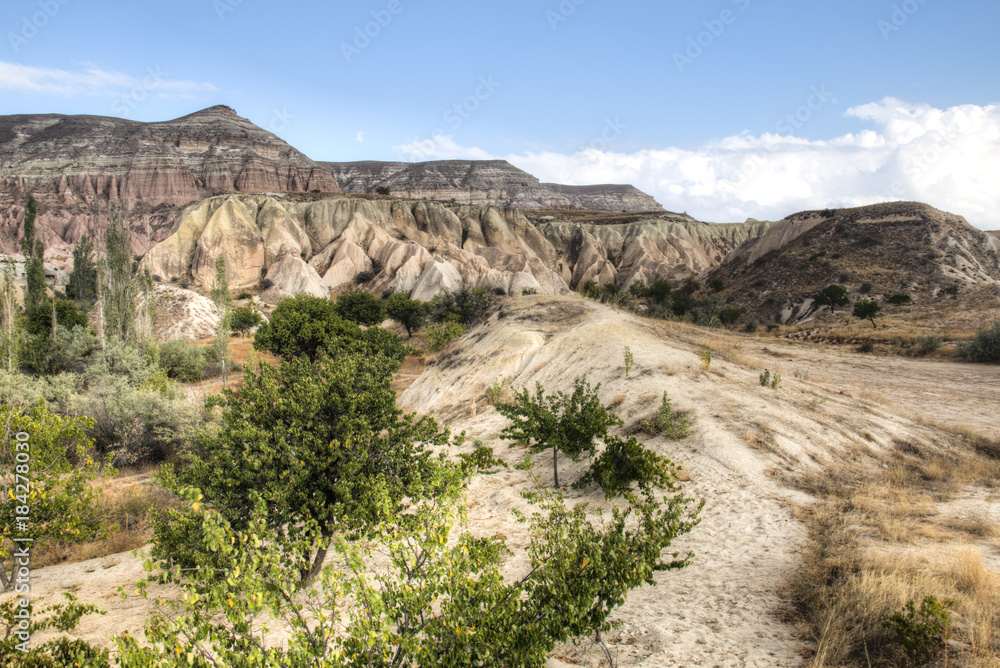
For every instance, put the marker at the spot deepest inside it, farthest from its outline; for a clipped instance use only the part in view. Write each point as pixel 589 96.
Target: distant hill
pixel 895 248
pixel 78 166
pixel 484 183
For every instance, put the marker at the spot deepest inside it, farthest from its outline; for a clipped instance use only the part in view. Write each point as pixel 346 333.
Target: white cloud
pixel 361 137
pixel 949 158
pixel 92 81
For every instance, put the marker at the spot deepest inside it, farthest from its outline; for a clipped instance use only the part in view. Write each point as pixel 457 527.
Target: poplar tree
pixel 10 317
pixel 223 303
pixel 28 240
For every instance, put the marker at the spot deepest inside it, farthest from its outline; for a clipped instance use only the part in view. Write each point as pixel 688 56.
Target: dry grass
pixel 879 542
pixel 127 504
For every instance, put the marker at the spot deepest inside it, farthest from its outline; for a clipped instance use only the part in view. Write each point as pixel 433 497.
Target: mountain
pixel 284 243
pixel 484 183
pixel 895 248
pixel 79 166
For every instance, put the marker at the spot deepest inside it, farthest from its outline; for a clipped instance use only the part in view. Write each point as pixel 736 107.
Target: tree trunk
pixel 555 465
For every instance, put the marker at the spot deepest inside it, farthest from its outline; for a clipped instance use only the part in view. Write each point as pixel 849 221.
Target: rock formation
pixel 896 248
pixel 79 166
pixel 484 183
pixel 303 243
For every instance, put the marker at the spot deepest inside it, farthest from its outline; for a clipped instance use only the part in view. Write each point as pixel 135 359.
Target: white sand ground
pixel 729 607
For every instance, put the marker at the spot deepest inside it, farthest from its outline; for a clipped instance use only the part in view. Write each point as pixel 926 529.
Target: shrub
pixel 638 288
pixel 529 291
pixel 364 276
pixel 928 344
pixel 666 422
pixel 629 361
pixel 920 633
pixel 866 288
pixel 953 290
pixel 985 348
pixel 867 347
pixel 184 361
pixel 265 284
pixel 443 333
pixel 717 284
pixel 705 355
pixel 385 191
pixel 769 380
pixel 624 463
pixel 731 314
pixel 750 328
pixel 562 423
pixel 659 291
pixel 495 392
pixel 590 289
pixel 244 295
pixel 900 300
pixel 244 318
pixel 361 307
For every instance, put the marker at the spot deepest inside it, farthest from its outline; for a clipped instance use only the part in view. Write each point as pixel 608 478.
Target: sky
pixel 724 109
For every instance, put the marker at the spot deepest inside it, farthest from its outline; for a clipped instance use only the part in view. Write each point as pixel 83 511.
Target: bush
pixel 302 326
pixel 244 295
pixel 920 633
pixel 928 344
pixel 659 291
pixel 717 284
pixel 364 276
pixel 184 361
pixel 443 333
pixel 665 422
pixel 953 290
pixel 361 307
pixel 590 290
pixel 769 380
pixel 385 191
pixel 731 314
pixel 529 291
pixel 985 348
pixel 866 288
pixel 624 463
pixel 638 288
pixel 900 300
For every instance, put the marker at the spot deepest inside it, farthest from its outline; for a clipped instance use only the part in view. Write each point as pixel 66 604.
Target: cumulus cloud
pixel 92 80
pixel 949 158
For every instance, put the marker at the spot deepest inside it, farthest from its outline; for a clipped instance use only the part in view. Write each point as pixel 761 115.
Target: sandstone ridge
pixel 484 183
pixel 283 243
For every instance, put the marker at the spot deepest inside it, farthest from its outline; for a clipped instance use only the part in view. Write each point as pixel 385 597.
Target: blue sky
pixel 726 109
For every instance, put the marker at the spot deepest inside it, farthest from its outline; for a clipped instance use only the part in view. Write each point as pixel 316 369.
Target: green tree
pixel 83 281
pixel 10 320
pixel 245 318
pixel 867 310
pixel 223 304
pixel 832 296
pixel 28 237
pixel 627 462
pixel 984 348
pixel 321 444
pixel 118 291
pixel 34 296
pixel 303 325
pixel 66 315
pixel 441 598
pixel 410 313
pixel 562 423
pixel 659 291
pixel 465 305
pixel 49 465
pixel 361 307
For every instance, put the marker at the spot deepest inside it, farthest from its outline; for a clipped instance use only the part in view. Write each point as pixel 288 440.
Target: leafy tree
pixel 562 423
pixel 638 288
pixel 867 310
pixel 28 238
pixel 10 321
pixel 360 307
pixel 244 318
pixel 319 443
pixel 410 313
pixel 67 315
pixel 731 314
pixel 590 290
pixel 118 288
pixel 832 296
pixel 224 305
pixel 34 296
pixel 441 598
pixel 83 281
pixel 303 325
pixel 49 465
pixel 900 300
pixel 443 333
pixel 465 305
pixel 659 291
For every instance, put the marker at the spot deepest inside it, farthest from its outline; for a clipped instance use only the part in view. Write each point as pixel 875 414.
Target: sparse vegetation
pixel 985 348
pixel 767 379
pixel 629 361
pixel 922 633
pixel 442 334
pixel 667 423
pixel 900 300
pixel 705 356
pixel 624 463
pixel 867 310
